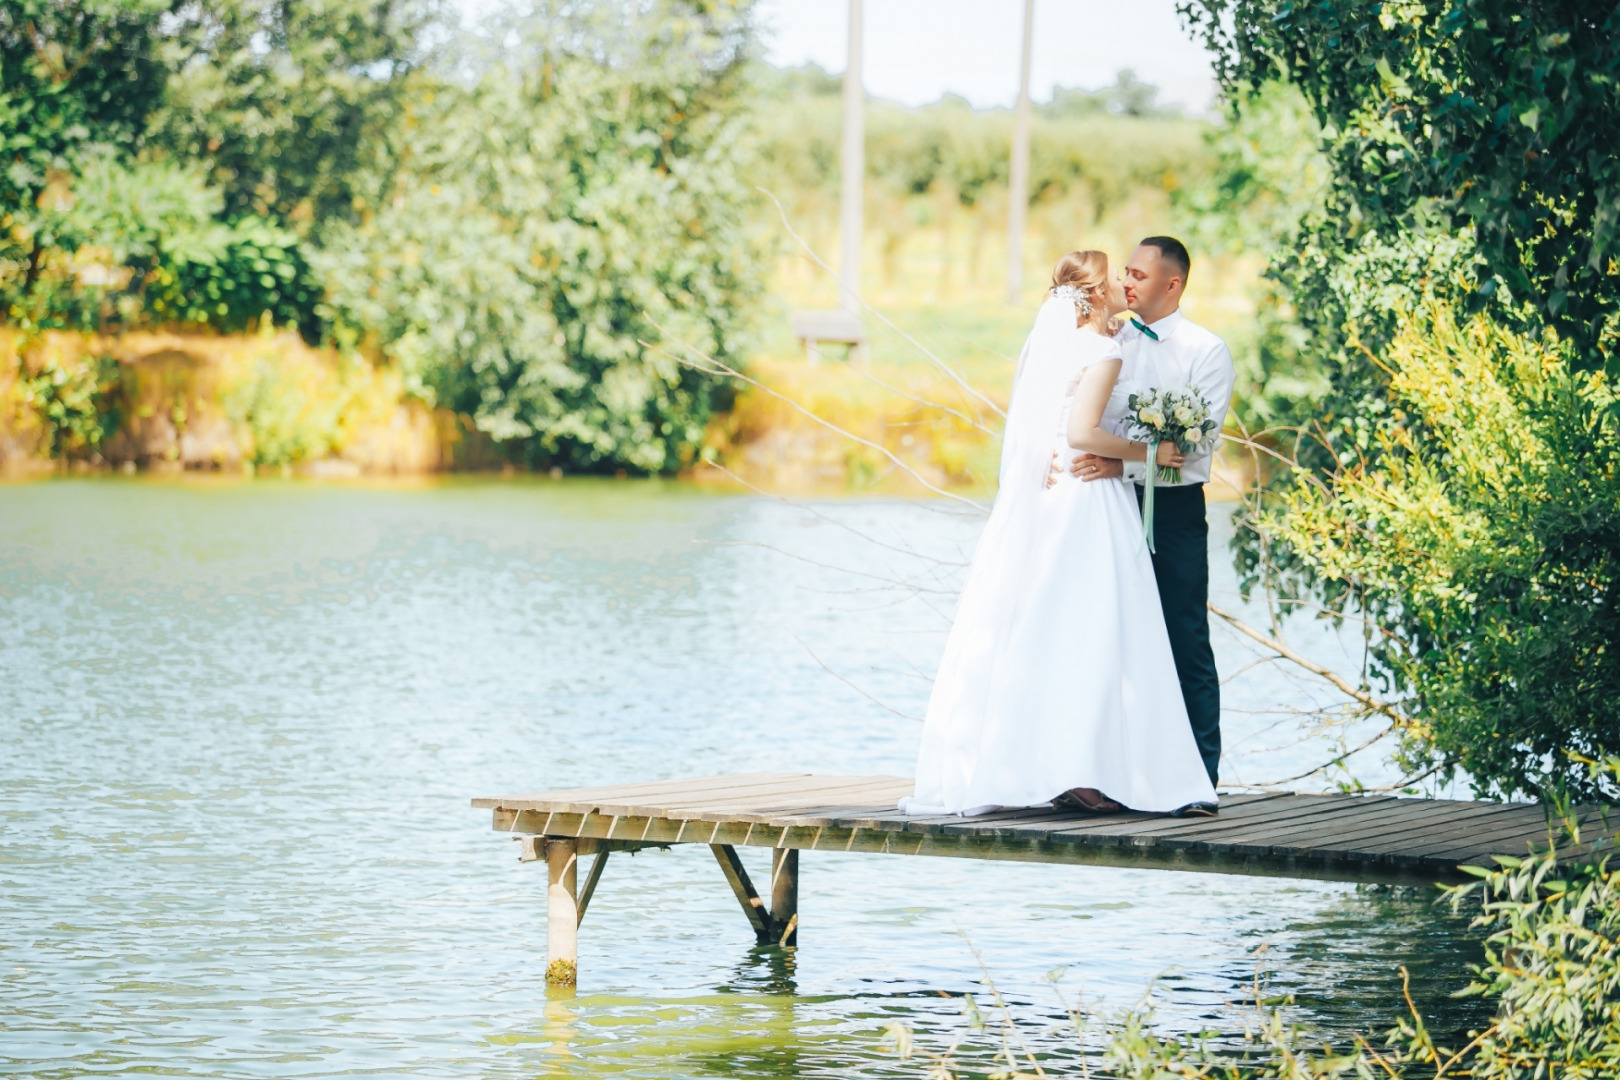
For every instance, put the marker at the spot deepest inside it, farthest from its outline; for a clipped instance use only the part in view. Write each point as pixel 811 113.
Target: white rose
pixel 1183 414
pixel 1152 417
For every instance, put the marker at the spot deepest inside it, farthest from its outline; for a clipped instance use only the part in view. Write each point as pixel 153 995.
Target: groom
pixel 1169 352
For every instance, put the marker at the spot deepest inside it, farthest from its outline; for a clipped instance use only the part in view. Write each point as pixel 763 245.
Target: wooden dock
pixel 1325 837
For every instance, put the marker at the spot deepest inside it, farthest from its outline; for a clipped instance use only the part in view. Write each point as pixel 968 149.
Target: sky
pixel 917 50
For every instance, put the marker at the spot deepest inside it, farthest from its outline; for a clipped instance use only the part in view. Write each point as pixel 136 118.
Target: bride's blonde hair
pixel 1086 272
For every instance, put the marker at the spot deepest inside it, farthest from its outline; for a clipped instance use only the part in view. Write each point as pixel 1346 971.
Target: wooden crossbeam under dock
pixel 1360 838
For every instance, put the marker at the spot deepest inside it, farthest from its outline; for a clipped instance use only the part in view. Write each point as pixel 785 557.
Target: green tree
pixel 1498 120
pixel 584 196
pixel 120 242
pixel 286 101
pixel 1475 170
pixel 73 75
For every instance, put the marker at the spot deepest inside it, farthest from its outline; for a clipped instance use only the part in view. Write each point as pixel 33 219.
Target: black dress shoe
pixel 1197 809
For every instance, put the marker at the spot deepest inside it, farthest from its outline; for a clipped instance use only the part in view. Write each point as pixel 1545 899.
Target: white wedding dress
pixel 1058 672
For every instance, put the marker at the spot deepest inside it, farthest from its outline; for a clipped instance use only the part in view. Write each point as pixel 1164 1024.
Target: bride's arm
pixel 1085 419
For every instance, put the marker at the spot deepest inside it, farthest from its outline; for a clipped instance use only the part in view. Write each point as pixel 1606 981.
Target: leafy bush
pixel 73 76
pixel 1472 150
pixel 546 225
pixel 1268 176
pixel 1483 539
pixel 289 416
pixel 127 243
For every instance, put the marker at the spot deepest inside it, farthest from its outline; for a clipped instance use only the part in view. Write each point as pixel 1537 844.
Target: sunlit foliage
pixel 1501 117
pixel 558 224
pixel 1481 542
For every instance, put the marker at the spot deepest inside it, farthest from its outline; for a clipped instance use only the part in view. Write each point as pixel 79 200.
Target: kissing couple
pixel 1079 670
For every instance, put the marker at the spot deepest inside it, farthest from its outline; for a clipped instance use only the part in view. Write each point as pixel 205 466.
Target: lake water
pixel 242 722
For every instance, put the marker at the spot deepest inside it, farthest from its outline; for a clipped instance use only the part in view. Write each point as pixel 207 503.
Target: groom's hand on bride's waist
pixel 1090 467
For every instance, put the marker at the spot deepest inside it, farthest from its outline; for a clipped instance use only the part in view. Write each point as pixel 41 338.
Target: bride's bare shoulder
pixel 1101 340
pixel 1108 331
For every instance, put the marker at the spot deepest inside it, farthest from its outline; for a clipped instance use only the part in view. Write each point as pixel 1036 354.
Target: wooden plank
pixel 1115 828
pixel 1435 831
pixel 1316 836
pixel 1047 820
pixel 1438 835
pixel 760 804
pixel 849 814
pixel 665 831
pixel 1375 816
pixel 637 829
pixel 740 800
pixel 698 790
pixel 1207 834
pixel 665 794
pixel 753 907
pixel 1283 808
pixel 1499 842
pixel 571 795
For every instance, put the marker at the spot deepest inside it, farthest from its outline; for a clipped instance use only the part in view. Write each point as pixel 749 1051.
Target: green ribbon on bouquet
pixel 1147 496
pixel 1171 476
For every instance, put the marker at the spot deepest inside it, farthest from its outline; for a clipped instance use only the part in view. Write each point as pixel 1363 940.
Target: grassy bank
pixel 236 403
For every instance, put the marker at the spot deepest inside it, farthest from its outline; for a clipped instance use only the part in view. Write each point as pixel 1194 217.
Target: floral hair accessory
pixel 1082 303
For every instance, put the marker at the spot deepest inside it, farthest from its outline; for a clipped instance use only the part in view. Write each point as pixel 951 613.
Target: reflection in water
pixel 560 1019
pixel 242 723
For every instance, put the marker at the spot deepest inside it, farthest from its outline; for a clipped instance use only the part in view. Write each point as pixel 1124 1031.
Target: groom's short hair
pixel 1174 250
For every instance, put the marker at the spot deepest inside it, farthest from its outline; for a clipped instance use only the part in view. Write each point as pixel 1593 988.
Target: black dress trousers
pixel 1181 565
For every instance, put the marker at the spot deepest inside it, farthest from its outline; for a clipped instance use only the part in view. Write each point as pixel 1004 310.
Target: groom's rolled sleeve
pixel 1215 377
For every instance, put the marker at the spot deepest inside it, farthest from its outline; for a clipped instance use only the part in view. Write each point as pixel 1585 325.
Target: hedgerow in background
pixel 113 219
pixel 584 195
pixel 71 76
pixel 1092 152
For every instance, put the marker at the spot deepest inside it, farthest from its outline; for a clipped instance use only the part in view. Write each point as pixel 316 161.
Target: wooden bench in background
pixel 838 327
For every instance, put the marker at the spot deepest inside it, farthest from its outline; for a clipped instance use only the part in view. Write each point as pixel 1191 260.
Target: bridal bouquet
pixel 1175 416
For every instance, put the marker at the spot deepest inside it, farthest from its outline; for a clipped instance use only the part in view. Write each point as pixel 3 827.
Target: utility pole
pixel 854 169
pixel 1018 173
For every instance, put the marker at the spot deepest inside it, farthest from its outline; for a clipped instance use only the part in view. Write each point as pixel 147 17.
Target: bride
pixel 1057 684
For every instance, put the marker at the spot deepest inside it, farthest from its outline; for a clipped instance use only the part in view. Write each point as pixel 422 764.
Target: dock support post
pixel 785 896
pixel 753 907
pixel 598 864
pixel 562 912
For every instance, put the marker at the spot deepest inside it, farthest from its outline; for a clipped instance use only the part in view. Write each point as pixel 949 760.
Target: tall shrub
pixel 1484 542
pixel 555 224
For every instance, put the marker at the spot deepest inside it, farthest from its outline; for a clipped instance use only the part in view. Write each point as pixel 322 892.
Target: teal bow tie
pixel 1140 325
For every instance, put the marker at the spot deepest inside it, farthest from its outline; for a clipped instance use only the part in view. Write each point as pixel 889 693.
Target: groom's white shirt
pixel 1185 355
